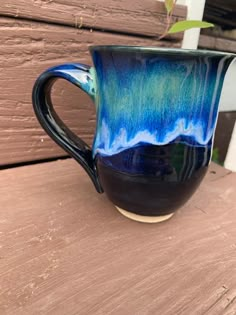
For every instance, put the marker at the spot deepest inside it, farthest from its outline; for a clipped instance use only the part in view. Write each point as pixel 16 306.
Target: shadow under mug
pixel 156 111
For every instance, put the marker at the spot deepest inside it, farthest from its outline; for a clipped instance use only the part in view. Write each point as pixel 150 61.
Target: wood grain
pixel 221 12
pixel 27 49
pixel 64 249
pixel 217 43
pixel 223 133
pixel 134 17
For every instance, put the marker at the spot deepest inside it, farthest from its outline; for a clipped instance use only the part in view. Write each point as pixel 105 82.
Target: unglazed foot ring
pixel 143 218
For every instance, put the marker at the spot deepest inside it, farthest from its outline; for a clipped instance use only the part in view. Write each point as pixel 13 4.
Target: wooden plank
pixel 27 48
pixel 137 17
pixel 221 12
pixel 224 130
pixel 217 43
pixel 66 250
pixel 217 31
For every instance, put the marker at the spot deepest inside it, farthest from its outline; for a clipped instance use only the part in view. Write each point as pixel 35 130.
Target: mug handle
pixel 81 76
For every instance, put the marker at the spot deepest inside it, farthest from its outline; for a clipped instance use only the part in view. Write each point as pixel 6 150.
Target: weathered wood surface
pixel 27 48
pixel 224 130
pixel 217 43
pixel 221 12
pixel 136 17
pixel 64 249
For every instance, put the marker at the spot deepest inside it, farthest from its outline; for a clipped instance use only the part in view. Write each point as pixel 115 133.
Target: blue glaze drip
pixel 146 97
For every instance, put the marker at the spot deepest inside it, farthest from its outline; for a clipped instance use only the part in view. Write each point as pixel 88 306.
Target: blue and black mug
pixel 156 111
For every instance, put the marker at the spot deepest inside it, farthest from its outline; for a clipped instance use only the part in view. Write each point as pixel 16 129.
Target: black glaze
pixel 153 180
pixel 53 125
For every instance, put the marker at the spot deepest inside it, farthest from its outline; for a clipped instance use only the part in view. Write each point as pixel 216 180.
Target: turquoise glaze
pixel 156 117
pixel 156 96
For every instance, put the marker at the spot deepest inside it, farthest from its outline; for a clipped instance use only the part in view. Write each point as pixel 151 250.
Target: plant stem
pixel 168 22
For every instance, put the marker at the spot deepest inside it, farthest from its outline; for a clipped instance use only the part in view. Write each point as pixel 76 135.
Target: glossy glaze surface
pixel 156 115
pixel 153 180
pixel 156 97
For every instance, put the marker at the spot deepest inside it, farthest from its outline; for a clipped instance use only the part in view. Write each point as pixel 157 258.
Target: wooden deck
pixel 64 249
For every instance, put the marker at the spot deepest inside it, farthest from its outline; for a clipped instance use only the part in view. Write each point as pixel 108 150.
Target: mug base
pixel 143 218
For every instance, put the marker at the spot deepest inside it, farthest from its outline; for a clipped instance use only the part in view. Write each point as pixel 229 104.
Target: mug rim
pixel 161 50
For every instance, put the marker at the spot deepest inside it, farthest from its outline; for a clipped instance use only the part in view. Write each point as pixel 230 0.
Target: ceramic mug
pixel 156 116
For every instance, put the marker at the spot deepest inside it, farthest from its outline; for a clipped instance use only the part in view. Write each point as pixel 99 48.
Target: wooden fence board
pixel 27 48
pixel 217 43
pixel 221 12
pixel 137 17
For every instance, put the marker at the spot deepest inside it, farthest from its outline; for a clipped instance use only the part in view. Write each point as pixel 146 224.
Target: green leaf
pixel 182 26
pixel 169 4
